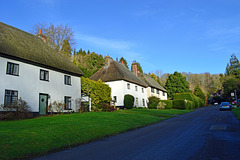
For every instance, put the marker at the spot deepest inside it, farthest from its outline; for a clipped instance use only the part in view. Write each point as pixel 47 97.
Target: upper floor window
pixel 157 91
pixel 68 103
pixel 67 80
pixel 163 93
pixel 10 97
pixel 44 75
pixel 142 90
pixel 12 69
pixel 152 90
pixel 128 86
pixel 136 88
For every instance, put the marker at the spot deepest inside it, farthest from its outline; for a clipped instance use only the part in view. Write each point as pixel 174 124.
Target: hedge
pixel 182 104
pixel 153 102
pixel 128 101
pixel 189 96
pixel 169 103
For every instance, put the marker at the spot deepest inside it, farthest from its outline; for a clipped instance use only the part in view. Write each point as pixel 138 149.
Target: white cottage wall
pixel 119 89
pixel 29 85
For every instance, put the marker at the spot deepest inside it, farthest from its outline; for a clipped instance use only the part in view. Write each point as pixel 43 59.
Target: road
pixel 204 134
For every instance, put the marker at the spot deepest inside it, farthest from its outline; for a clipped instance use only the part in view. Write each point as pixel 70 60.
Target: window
pixel 143 102
pixel 163 93
pixel 128 86
pixel 44 75
pixel 67 80
pixel 68 104
pixel 12 69
pixel 152 90
pixel 157 91
pixel 142 90
pixel 115 98
pixel 136 89
pixel 10 97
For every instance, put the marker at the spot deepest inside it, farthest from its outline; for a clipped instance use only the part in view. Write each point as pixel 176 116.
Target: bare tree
pixel 56 34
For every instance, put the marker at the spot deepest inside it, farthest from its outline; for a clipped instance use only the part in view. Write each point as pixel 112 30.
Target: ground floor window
pixel 68 103
pixel 11 96
pixel 143 102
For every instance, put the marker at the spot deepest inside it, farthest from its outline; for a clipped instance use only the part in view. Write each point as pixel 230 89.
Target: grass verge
pixel 39 136
pixel 236 111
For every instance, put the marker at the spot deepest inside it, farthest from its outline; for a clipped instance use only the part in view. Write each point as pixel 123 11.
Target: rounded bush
pixel 128 101
pixel 153 102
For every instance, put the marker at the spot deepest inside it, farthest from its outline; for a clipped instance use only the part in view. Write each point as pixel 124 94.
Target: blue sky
pixel 194 36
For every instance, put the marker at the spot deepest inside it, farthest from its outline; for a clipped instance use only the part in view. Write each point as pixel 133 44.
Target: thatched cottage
pixel 32 70
pixel 122 82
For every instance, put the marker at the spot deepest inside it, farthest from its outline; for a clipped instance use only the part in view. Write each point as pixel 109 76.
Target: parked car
pixel 225 106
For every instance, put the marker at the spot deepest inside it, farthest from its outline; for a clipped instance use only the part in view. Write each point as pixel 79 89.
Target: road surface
pixel 204 134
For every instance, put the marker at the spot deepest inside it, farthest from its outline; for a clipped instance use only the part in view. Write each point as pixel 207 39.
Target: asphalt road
pixel 206 134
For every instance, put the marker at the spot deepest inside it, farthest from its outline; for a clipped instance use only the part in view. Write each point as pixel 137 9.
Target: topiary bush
pixel 169 103
pixel 190 105
pixel 128 101
pixel 153 102
pixel 189 96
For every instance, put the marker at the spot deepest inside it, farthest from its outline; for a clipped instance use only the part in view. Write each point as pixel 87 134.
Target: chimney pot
pixel 40 31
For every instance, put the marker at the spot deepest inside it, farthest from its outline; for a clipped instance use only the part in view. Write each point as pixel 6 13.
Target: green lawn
pixel 39 136
pixel 236 111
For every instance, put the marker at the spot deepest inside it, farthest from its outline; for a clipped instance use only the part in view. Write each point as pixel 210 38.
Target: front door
pixel 137 102
pixel 43 103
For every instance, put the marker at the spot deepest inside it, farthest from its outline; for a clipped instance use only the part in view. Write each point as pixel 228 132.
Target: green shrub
pixel 169 103
pixel 179 104
pixel 153 102
pixel 104 107
pixel 161 105
pixel 189 96
pixel 128 101
pixel 190 105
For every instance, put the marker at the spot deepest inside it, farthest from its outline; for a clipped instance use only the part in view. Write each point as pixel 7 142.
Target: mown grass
pixel 236 111
pixel 39 136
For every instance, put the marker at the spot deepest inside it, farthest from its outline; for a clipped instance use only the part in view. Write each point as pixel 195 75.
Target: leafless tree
pixel 56 34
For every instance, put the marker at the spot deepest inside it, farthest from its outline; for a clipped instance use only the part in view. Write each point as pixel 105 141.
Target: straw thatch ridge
pixel 151 82
pixel 20 45
pixel 116 71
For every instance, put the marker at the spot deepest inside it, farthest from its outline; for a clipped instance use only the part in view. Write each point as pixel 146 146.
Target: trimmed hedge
pixel 179 104
pixel 153 102
pixel 182 104
pixel 128 101
pixel 169 103
pixel 189 96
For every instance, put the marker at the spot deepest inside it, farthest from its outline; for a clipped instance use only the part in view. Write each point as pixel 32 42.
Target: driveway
pixel 204 134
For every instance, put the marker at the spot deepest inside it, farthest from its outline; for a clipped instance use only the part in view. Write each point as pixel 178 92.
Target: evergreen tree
pixel 122 60
pixel 176 83
pixel 66 48
pixel 198 92
pixel 233 68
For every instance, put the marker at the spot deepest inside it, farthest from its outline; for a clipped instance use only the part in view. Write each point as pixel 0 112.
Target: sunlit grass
pixel 39 136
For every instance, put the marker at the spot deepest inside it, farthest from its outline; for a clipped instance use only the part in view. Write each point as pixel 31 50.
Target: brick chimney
pixel 134 68
pixel 107 61
pixel 44 38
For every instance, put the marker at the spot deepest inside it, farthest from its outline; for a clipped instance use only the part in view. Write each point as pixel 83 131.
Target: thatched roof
pixel 150 81
pixel 116 71
pixel 23 46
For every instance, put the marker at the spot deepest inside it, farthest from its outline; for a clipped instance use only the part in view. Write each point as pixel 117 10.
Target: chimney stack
pixel 107 61
pixel 134 68
pixel 40 31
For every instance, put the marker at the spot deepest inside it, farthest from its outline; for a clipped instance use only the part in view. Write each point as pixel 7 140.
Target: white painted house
pixel 30 69
pixel 153 88
pixel 122 82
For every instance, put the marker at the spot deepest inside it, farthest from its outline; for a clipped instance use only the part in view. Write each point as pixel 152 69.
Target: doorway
pixel 43 103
